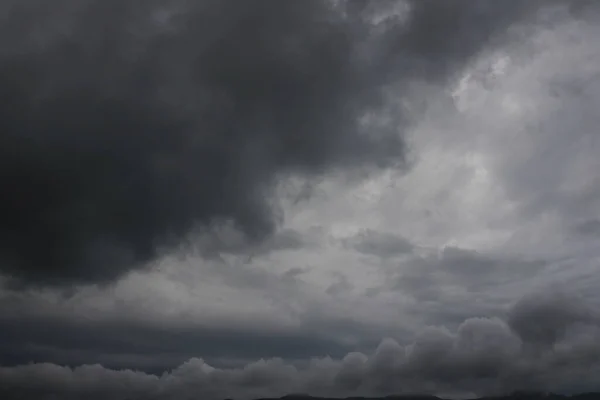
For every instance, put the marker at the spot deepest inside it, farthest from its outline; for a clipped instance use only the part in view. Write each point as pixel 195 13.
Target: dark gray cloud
pixel 428 276
pixel 545 319
pixel 152 348
pixel 228 240
pixel 483 356
pixel 380 244
pixel 451 284
pixel 126 125
pixel 590 227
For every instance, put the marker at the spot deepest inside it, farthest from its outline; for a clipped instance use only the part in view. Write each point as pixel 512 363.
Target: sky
pixel 224 199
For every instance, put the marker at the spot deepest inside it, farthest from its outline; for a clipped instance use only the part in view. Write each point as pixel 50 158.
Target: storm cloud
pixel 256 198
pixel 127 126
pixel 484 356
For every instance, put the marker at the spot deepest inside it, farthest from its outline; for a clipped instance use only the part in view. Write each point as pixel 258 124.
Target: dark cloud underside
pixel 124 125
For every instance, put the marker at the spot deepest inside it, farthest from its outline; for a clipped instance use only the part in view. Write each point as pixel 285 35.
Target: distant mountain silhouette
pixel 513 396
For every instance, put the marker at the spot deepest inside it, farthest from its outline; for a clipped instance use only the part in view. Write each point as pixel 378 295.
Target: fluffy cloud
pixel 483 356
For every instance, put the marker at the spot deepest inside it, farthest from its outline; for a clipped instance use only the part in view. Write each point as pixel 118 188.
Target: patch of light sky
pixel 458 192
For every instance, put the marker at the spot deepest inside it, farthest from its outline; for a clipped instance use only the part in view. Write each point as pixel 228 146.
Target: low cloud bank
pixel 547 342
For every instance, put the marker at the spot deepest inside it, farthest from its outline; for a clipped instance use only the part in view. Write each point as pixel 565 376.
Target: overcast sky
pixel 211 199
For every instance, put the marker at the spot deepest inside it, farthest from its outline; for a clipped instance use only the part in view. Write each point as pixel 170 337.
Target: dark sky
pixel 368 197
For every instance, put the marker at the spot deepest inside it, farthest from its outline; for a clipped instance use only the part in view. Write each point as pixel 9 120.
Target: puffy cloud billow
pixel 484 356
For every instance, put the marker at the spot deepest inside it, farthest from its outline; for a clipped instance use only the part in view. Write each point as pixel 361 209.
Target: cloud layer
pixel 447 169
pixel 548 342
